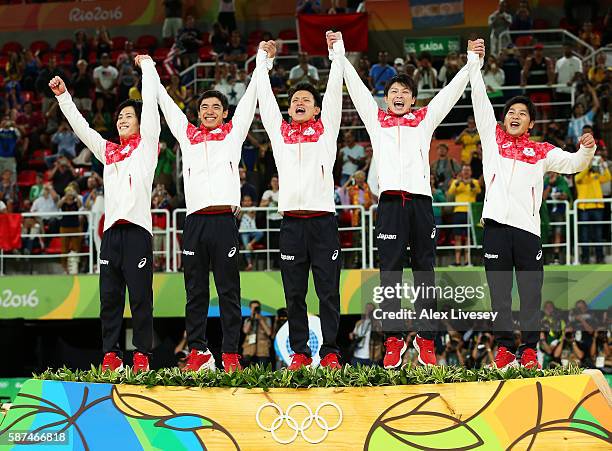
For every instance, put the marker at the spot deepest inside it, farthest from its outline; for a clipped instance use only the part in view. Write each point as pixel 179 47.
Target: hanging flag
pixel 436 13
pixel 312 28
pixel 10 225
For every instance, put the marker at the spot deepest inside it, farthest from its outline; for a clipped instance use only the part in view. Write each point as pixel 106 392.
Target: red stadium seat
pixel 119 42
pixel 26 178
pixel 288 34
pixel 45 58
pixel 114 55
pixel 11 46
pixel 146 42
pixel 68 60
pixel 160 54
pixel 524 41
pixel 205 37
pixel 41 46
pixel 255 36
pixel 205 54
pixel 37 160
pixel 540 24
pixel 55 246
pixel 93 57
pixel 63 46
pixel 252 49
pixel 3 61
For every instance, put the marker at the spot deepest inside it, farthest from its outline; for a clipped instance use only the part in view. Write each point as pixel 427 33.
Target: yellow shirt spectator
pixel 134 93
pixel 588 185
pixel 464 191
pixel 469 139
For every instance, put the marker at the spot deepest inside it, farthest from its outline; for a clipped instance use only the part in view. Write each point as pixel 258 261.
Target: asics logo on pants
pixel 232 252
pixel 142 262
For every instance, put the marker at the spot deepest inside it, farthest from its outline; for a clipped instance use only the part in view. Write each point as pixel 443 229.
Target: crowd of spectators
pixel 100 72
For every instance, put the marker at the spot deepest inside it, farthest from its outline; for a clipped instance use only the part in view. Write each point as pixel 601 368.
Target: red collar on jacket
pixel 200 134
pixel 521 148
pixel 411 119
pixel 119 152
pixel 304 132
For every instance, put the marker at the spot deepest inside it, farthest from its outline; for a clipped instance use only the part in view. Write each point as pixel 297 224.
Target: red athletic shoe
pixel 426 350
pixel 141 362
pixel 331 361
pixel 200 360
pixel 231 362
pixel 395 348
pixel 112 362
pixel 529 359
pixel 504 359
pixel 298 361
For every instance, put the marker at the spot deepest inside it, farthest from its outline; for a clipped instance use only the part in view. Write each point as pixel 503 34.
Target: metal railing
pixel 560 31
pixel 268 250
pixel 469 226
pixel 577 223
pixel 566 243
pixel 86 233
pixel 165 234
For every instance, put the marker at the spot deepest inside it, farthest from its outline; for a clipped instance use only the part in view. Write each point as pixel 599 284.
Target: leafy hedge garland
pixel 262 377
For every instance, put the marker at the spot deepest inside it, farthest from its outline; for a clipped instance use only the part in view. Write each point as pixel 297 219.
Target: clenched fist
pixel 587 140
pixel 477 46
pixel 57 85
pixel 332 37
pixel 139 58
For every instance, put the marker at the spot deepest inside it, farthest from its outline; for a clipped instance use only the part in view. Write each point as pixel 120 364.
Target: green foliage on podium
pixel 264 377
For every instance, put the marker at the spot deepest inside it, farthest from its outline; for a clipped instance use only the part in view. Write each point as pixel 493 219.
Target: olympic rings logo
pixel 293 423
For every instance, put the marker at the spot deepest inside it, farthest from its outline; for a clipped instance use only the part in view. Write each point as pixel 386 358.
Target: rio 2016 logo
pixel 13 300
pixel 95 15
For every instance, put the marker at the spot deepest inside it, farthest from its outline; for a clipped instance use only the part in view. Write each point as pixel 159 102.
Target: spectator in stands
pixel 80 46
pixel 31 69
pixel 357 192
pixel 9 138
pixel 499 21
pixel 398 65
pixel 538 70
pixel 476 165
pixel 567 70
pixel 102 42
pixel 444 168
pixel 94 183
pixel 380 73
pixel 258 337
pixel 218 39
pixel 449 69
pixel 494 78
pixel 62 174
pixel 227 15
pixel 270 199
pixel 3 208
pixel 569 349
pixel 105 77
pixel 512 66
pixel 464 189
pixel 249 235
pixel 597 73
pixel 246 189
pixel 556 188
pixel 37 188
pixel 128 79
pixel 9 191
pixel 100 119
pixel 127 56
pixel 173 21
pixel 82 85
pixel 352 156
pixel 590 36
pixel 31 244
pixel 308 7
pixel 46 203
pixel 468 139
pixel 160 200
pixel 188 40
pixel 42 82
pixel 580 118
pixel 363 69
pixel 522 19
pixel 303 72
pixel 177 91
pixel 588 185
pixel 70 224
pixel 65 140
pixel 228 84
pixel 426 78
